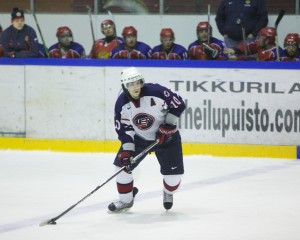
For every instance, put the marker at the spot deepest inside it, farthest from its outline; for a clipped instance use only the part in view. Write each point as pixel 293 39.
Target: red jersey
pixel 196 50
pixel 289 59
pixel 102 49
pixel 262 54
pixel 1 51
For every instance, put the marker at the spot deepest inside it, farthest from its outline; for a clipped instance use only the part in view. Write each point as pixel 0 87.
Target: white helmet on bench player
pixel 129 75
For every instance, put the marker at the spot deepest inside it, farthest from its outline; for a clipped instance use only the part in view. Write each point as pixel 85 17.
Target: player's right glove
pixel 12 54
pixel 55 53
pixel 165 132
pixel 125 158
pixel 210 52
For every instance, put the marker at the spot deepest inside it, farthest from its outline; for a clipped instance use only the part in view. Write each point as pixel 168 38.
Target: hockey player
pixel 206 47
pixel 19 40
pixel 131 48
pixel 168 49
pixel 66 47
pixel 145 112
pixel 102 47
pixel 262 49
pixel 291 52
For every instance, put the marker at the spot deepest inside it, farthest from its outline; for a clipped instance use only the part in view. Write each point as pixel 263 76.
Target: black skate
pixel 168 200
pixel 120 206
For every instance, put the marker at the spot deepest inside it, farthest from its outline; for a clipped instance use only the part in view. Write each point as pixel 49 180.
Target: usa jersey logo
pixel 143 121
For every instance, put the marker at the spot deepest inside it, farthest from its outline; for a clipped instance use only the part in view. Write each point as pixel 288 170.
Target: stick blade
pixel 280 16
pixel 110 15
pixel 47 222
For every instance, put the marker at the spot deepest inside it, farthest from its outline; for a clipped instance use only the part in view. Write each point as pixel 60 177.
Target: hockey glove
pixel 210 52
pixel 165 133
pixel 12 54
pixel 125 158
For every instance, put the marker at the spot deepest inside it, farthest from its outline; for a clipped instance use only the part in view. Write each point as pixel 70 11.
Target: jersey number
pixel 175 102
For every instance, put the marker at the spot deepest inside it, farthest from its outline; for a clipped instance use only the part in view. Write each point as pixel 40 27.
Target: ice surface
pixel 219 198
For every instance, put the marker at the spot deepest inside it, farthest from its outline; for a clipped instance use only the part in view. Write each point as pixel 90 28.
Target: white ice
pixel 219 198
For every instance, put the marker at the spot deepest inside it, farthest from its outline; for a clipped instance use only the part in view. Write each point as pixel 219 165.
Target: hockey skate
pixel 120 206
pixel 168 200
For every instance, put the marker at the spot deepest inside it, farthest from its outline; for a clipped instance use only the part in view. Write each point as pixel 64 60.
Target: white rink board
pixel 65 102
pixel 271 94
pixel 12 96
pixel 224 105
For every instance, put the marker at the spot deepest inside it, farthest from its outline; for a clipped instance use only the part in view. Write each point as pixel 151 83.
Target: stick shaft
pixel 81 200
pixel 113 19
pixel 208 20
pixel 280 16
pixel 278 20
pixel 91 22
pixel 41 35
pixel 244 41
pixel 52 220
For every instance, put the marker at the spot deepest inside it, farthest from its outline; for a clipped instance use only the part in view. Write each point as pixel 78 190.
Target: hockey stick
pixel 280 16
pixel 113 19
pixel 52 221
pixel 91 22
pixel 40 32
pixel 240 21
pixel 208 20
pixel 244 40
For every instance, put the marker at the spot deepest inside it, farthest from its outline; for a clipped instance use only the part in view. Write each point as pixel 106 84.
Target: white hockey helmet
pixel 129 75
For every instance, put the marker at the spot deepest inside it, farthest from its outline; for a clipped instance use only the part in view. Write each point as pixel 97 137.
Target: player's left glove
pixel 72 54
pixel 165 132
pixel 125 158
pixel 210 52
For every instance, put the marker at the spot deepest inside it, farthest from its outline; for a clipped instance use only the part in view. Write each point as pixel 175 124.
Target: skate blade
pixel 134 192
pixel 120 211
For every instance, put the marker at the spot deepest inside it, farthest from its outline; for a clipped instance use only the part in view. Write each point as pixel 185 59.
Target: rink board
pixel 67 105
pixel 225 150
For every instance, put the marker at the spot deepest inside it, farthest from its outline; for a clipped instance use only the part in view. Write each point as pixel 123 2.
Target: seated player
pixel 291 51
pixel 168 49
pixel 102 47
pixel 262 49
pixel 66 47
pixel 131 48
pixel 206 47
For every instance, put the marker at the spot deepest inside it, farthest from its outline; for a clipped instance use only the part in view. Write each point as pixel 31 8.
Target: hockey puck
pixel 52 223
